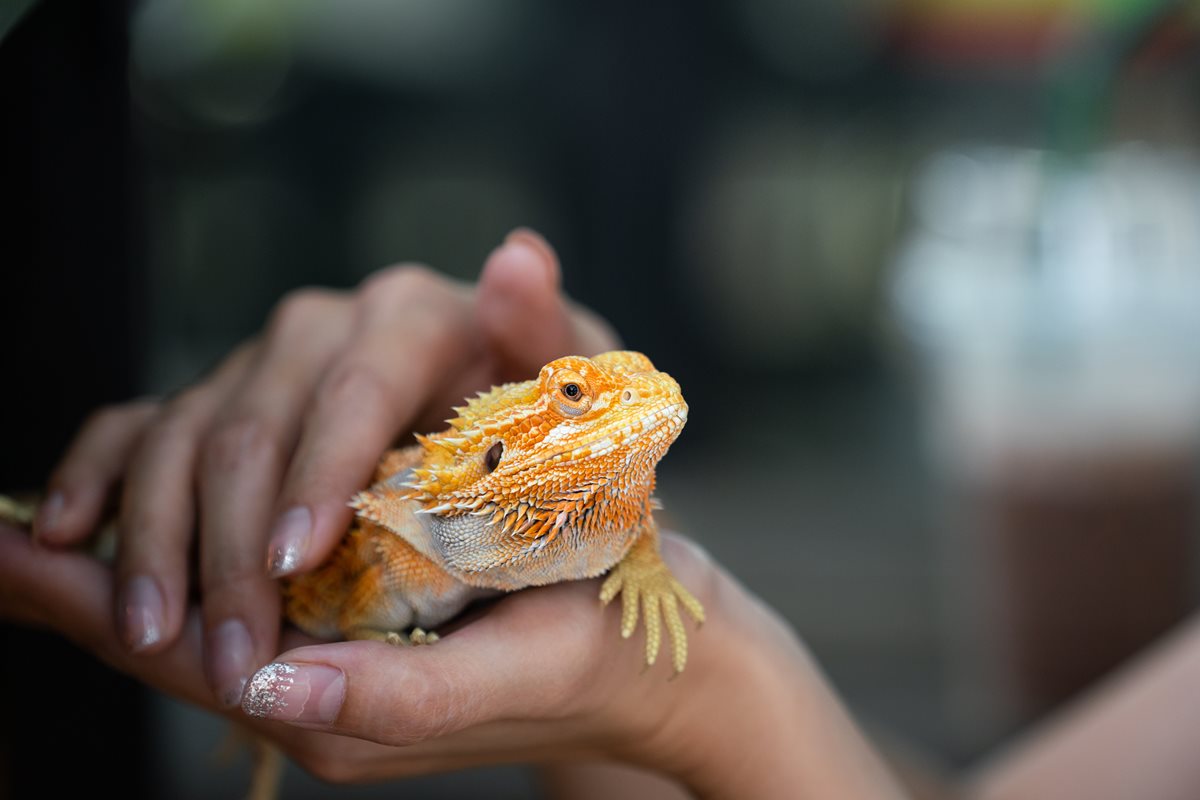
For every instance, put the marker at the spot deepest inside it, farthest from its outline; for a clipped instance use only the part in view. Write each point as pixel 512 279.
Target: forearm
pixel 1133 737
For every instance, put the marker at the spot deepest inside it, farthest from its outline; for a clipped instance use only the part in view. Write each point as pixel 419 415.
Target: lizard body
pixel 534 482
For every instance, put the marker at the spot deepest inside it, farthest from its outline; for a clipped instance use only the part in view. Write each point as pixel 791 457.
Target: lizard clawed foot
pixel 643 576
pixel 395 638
pixel 418 636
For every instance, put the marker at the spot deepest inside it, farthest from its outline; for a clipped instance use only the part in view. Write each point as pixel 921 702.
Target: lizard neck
pixel 483 553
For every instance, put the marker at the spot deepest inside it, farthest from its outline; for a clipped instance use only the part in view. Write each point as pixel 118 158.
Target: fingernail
pixel 289 541
pixel 310 693
pixel 49 514
pixel 228 655
pixel 140 613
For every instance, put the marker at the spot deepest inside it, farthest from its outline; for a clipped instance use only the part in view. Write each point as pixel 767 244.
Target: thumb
pixel 403 695
pixel 526 319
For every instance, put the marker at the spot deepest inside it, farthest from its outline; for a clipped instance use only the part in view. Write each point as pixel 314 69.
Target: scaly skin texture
pixel 534 483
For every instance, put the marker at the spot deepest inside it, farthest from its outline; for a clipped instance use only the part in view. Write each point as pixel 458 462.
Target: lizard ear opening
pixel 491 459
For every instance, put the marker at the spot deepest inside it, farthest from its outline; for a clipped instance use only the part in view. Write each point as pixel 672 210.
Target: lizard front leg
pixel 642 575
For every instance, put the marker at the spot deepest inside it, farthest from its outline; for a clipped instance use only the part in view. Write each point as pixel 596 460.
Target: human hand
pixel 542 676
pixel 265 451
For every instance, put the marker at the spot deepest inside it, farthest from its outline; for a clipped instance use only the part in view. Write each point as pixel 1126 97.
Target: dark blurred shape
pixel 71 324
pixel 68 330
pixel 11 12
pixel 1093 561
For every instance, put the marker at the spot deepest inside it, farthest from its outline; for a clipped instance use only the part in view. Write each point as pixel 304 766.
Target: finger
pixel 505 667
pixel 81 483
pixel 70 593
pixel 413 329
pixel 241 468
pixel 158 512
pixel 525 318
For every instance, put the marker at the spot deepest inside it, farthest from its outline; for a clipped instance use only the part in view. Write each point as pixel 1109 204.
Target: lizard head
pixel 574 448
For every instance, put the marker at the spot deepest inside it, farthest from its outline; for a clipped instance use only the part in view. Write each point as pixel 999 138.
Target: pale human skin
pixel 540 677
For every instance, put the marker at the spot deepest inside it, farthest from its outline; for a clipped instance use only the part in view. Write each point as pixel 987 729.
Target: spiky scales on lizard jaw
pixel 533 483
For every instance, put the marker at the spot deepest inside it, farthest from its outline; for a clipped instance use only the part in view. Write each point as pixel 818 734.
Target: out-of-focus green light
pixel 11 12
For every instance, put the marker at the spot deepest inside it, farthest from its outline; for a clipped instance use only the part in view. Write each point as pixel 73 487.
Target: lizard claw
pixel 395 638
pixel 420 636
pixel 650 581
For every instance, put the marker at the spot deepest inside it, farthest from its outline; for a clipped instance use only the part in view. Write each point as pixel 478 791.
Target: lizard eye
pixel 491 459
pixel 571 392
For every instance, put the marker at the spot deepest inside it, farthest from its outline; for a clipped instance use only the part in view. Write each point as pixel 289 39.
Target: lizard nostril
pixel 630 396
pixel 491 459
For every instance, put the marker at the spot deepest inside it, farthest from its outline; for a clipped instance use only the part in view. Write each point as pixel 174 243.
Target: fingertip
pixel 141 615
pixel 289 542
pixel 241 633
pixel 305 533
pixel 524 267
pixel 229 660
pixel 546 255
pixel 66 515
pixel 519 304
pixel 49 515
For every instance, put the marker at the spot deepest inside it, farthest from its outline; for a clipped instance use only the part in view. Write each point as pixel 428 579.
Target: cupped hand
pixel 542 675
pixel 258 459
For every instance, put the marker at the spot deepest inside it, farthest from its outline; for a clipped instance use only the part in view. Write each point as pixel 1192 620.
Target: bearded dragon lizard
pixel 534 483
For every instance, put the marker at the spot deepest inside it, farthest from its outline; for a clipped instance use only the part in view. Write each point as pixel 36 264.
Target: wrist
pixel 757 718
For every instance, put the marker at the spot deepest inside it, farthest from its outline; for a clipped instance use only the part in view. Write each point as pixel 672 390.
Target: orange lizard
pixel 535 482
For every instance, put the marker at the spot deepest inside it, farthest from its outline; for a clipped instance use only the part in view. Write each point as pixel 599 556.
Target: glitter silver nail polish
pixel 267 689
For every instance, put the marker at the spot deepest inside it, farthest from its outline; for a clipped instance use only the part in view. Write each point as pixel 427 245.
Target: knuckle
pixel 401 279
pixel 237 443
pixel 297 310
pixel 173 429
pixel 354 385
pixel 412 287
pixel 105 417
pixel 184 410
pixel 174 425
pixel 229 587
pixel 144 522
pixel 433 710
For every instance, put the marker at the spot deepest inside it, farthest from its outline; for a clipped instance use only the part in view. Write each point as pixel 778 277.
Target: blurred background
pixel 927 270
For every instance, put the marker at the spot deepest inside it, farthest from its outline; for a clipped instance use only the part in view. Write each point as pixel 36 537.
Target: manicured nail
pixel 289 542
pixel 140 613
pixel 310 693
pixel 228 655
pixel 49 514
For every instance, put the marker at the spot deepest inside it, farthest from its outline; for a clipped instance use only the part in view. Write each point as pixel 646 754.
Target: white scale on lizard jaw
pixel 599 447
